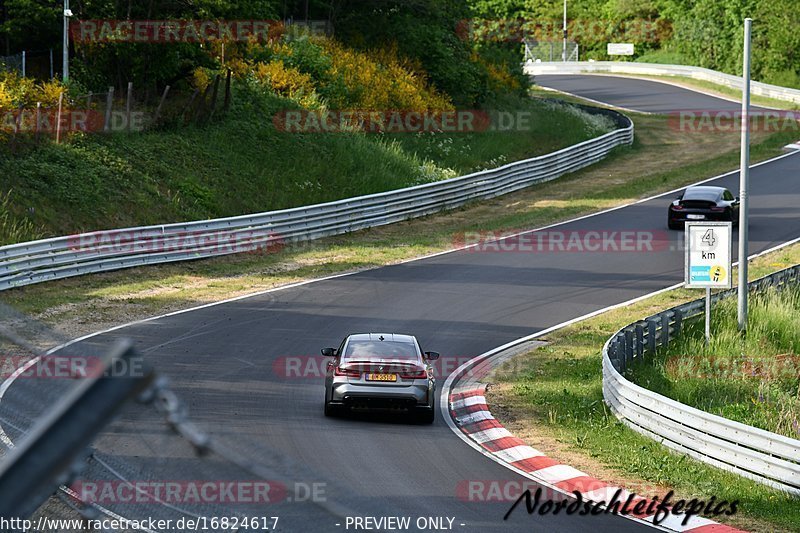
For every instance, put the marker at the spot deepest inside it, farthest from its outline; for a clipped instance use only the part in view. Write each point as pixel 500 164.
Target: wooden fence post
pixel 58 117
pixel 214 98
pixel 189 106
pixel 109 107
pixel 227 92
pixel 38 121
pixel 160 105
pixel 201 103
pixel 17 121
pixel 128 107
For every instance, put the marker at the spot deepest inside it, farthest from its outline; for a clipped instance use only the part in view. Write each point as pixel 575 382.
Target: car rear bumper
pixel 679 217
pixel 381 396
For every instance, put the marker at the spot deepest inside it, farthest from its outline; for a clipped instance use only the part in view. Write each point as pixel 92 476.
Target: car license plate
pixel 695 217
pixel 381 377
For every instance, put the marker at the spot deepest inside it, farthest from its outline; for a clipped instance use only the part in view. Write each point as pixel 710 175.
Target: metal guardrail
pixel 754 453
pixel 60 257
pixel 653 69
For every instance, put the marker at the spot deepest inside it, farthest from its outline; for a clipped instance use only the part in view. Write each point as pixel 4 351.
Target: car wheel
pixel 426 415
pixel 331 410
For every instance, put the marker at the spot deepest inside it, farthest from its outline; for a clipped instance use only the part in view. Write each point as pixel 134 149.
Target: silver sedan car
pixel 380 371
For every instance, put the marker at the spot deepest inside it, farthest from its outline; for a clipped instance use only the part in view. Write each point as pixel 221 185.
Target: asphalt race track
pixel 225 360
pixel 636 94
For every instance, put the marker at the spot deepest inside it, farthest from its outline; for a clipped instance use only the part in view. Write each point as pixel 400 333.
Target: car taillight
pixel 416 374
pixel 349 372
pixel 677 207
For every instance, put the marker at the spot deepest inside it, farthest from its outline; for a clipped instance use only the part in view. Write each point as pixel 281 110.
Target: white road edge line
pixel 598 102
pixel 10 380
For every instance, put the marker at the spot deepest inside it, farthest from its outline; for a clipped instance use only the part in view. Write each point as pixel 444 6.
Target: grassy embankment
pixel 244 164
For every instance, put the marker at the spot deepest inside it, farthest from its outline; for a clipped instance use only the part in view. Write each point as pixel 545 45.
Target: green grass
pixel 12 228
pixel 556 391
pixel 242 164
pixel 753 379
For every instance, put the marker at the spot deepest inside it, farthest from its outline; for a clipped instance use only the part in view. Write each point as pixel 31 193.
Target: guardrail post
pixel 664 328
pixel 639 346
pixel 780 280
pixel 619 351
pixel 678 321
pixel 612 351
pixel 628 348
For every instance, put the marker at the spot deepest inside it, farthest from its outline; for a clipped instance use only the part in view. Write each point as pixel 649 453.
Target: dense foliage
pixel 706 33
pixel 421 33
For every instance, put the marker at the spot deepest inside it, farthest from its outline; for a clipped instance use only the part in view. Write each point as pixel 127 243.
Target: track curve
pixel 636 94
pixel 222 358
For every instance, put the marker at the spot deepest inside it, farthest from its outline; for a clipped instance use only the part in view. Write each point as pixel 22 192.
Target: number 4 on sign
pixel 709 238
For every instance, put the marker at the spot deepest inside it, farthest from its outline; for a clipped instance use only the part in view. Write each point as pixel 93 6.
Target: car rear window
pixel 709 196
pixel 359 350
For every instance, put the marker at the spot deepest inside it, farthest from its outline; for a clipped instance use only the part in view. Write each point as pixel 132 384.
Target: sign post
pixel 564 50
pixel 744 181
pixel 708 260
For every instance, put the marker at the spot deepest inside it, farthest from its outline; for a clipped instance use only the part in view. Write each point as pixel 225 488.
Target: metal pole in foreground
pixel 744 181
pixel 708 316
pixel 564 49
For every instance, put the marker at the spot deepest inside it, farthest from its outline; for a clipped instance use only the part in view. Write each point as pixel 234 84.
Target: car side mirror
pixel 329 352
pixel 431 356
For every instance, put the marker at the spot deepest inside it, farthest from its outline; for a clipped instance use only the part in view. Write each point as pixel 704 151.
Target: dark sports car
pixel 703 203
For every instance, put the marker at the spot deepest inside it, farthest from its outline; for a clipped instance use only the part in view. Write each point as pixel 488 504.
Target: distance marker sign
pixel 708 255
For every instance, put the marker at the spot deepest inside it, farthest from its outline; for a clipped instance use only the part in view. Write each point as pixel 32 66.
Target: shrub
pixel 16 91
pixel 286 81
pixel 323 72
